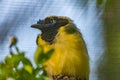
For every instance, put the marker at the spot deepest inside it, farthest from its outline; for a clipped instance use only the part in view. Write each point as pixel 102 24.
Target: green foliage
pixel 17 67
pixel 99 2
pixel 40 57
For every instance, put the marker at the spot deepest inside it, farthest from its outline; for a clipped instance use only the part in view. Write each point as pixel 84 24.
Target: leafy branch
pixel 17 67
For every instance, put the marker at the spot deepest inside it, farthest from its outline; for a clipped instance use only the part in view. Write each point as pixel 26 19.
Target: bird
pixel 70 59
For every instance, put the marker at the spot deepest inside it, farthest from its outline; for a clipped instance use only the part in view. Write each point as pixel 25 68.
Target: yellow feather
pixel 70 56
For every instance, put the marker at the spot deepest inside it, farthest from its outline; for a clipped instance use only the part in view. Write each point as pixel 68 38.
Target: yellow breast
pixel 70 56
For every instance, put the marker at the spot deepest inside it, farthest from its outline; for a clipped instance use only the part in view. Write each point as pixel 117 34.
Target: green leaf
pixel 26 61
pixel 47 78
pixel 38 53
pixel 28 68
pixel 42 57
pixel 48 54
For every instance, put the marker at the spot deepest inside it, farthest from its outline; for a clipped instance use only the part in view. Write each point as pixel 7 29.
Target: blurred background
pixel 98 21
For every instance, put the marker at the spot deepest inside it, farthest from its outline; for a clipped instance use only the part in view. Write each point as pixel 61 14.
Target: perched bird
pixel 70 60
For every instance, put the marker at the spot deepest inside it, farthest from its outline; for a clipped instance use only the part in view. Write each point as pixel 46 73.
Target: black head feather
pixel 50 26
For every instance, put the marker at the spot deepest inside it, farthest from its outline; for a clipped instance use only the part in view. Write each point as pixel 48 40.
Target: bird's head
pixel 50 26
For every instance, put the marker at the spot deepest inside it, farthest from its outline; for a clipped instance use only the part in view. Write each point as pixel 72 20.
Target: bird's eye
pixel 49 20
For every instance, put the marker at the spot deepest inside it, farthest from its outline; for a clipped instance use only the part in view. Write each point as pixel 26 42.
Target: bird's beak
pixel 38 26
pixel 35 25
